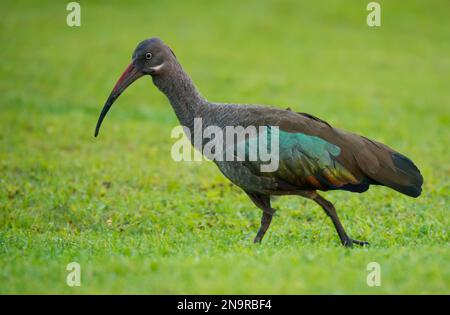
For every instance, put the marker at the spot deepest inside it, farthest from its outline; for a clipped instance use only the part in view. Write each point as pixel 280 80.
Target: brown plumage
pixel 369 162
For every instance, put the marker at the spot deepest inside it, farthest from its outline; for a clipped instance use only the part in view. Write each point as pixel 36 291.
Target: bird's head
pixel 151 57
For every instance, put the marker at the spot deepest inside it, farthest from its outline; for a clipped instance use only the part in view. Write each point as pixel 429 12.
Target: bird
pixel 313 155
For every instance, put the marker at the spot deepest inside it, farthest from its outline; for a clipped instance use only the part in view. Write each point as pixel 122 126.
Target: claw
pixel 361 243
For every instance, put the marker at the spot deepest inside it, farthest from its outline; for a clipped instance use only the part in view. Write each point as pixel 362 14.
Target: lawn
pixel 138 222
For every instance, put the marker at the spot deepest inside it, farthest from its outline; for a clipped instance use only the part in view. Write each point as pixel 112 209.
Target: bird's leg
pixel 331 212
pixel 265 223
pixel 263 202
pixel 329 209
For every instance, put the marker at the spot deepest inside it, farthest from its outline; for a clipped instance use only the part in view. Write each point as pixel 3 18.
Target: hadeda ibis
pixel 313 155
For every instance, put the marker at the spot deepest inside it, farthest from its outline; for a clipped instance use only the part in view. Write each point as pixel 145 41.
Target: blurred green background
pixel 138 222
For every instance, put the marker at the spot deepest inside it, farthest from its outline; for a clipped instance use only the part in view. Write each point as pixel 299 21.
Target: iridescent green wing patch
pixel 304 160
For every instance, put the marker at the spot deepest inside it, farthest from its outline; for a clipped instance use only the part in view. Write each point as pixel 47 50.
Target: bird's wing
pixel 302 161
pixel 314 154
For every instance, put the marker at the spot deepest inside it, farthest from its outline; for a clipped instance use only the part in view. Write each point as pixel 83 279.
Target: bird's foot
pixel 360 243
pixel 257 240
pixel 349 243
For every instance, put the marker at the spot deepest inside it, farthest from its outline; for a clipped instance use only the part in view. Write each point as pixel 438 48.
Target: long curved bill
pixel 130 75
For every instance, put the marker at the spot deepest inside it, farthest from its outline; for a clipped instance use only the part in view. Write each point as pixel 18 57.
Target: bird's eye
pixel 148 56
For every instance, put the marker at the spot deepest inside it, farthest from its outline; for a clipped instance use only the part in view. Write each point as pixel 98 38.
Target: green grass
pixel 138 222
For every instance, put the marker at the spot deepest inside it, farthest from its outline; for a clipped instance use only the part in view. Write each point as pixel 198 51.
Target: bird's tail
pixel 392 168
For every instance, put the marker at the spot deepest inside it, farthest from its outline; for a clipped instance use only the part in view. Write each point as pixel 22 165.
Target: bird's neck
pixel 184 97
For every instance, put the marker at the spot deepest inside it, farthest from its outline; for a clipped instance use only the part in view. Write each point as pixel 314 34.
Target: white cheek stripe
pixel 157 67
